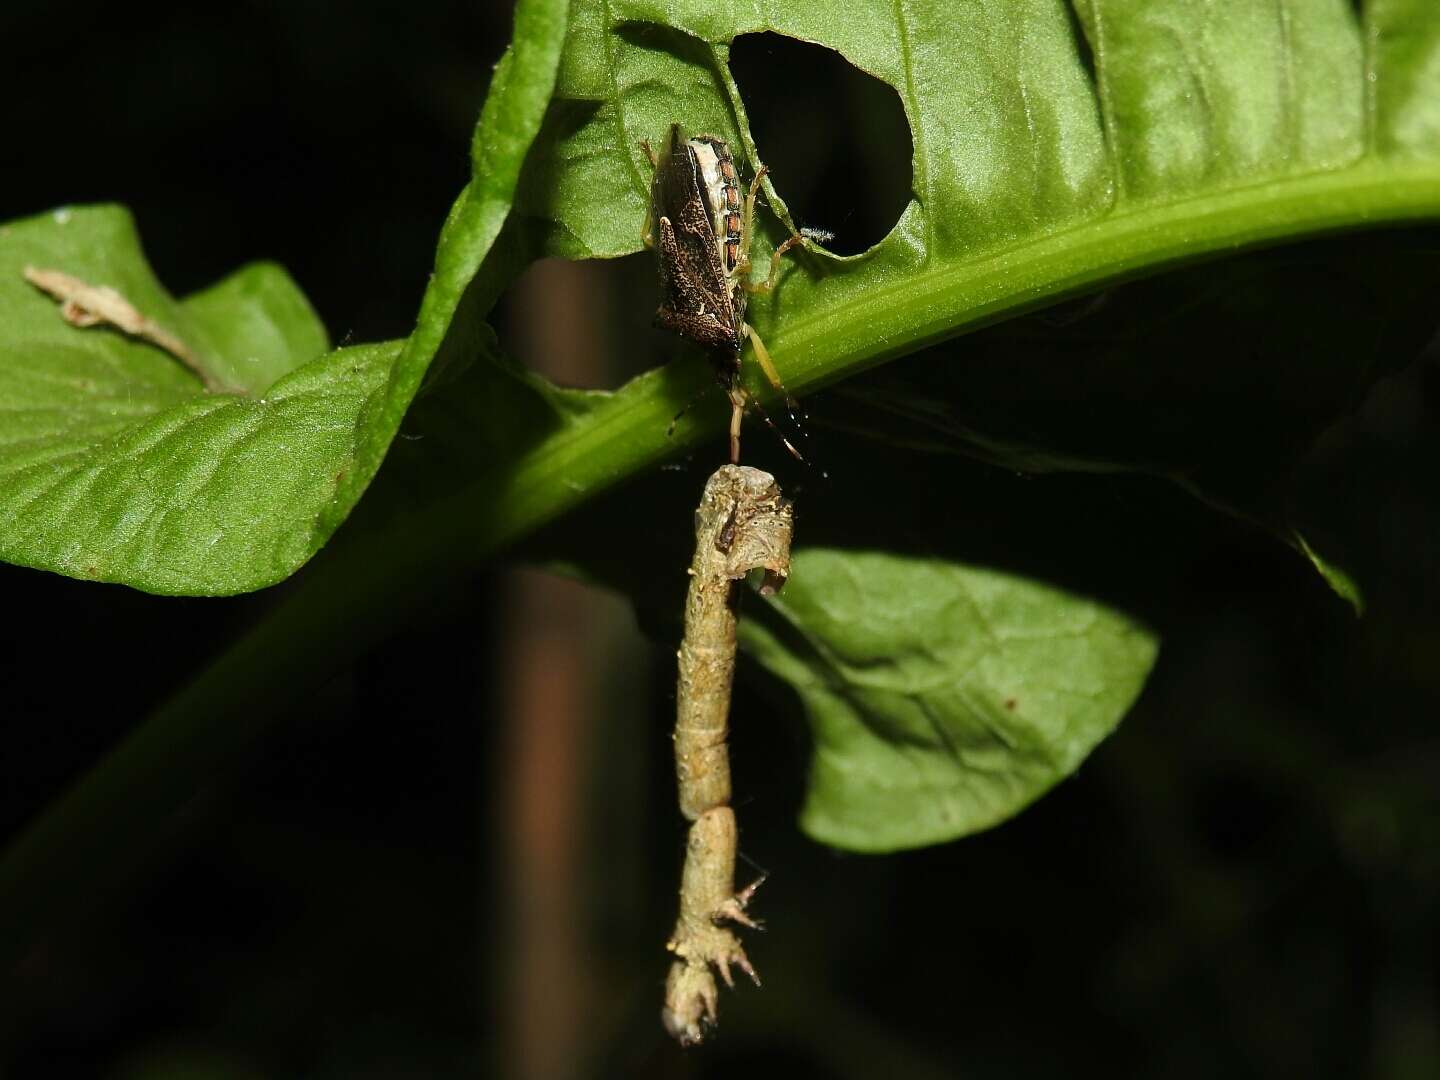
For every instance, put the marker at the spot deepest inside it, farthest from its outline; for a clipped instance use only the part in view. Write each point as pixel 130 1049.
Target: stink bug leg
pixel 772 376
pixel 767 365
pixel 762 354
pixel 769 283
pixel 647 231
pixel 740 400
pixel 775 257
pixel 699 223
pixel 748 231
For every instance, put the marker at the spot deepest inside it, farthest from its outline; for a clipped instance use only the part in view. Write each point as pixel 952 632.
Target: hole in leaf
pixel 836 139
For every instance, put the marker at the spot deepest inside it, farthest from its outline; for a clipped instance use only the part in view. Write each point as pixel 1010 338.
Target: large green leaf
pixel 1033 180
pixel 1206 127
pixel 944 697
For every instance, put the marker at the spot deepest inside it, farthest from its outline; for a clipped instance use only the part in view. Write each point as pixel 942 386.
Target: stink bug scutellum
pixel 701 227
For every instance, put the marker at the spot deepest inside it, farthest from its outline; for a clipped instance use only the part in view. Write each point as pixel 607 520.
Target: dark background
pixel 459 856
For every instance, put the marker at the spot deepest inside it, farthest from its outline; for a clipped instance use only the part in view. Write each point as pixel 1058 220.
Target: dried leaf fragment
pixel 84 305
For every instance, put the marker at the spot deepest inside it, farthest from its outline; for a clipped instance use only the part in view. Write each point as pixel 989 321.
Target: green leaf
pixel 944 698
pixel 115 465
pixel 259 324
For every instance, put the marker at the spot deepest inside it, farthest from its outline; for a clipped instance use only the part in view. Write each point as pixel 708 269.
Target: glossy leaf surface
pixel 944 698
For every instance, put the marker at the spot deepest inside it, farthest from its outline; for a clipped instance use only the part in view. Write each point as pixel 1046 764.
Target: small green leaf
pixel 115 465
pixel 944 698
pixel 248 330
pixel 260 325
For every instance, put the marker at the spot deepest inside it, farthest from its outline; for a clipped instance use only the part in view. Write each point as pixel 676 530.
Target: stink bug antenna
pixel 752 402
pixel 749 401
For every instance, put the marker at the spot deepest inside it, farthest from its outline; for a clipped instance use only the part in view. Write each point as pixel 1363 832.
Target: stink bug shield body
pixel 699 235
pixel 700 226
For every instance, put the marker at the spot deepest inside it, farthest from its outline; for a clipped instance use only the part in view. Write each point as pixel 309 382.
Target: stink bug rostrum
pixel 701 226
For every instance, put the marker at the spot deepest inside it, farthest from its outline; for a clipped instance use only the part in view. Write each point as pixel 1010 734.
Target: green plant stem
pixel 626 434
pixel 87 839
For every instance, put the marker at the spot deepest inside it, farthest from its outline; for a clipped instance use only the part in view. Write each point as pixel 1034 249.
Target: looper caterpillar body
pixel 743 523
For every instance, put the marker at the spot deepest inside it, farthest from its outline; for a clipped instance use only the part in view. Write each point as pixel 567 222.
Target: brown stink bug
pixel 700 227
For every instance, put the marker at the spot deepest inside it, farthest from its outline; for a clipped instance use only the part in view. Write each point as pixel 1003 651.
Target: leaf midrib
pixel 1140 238
pixel 627 432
